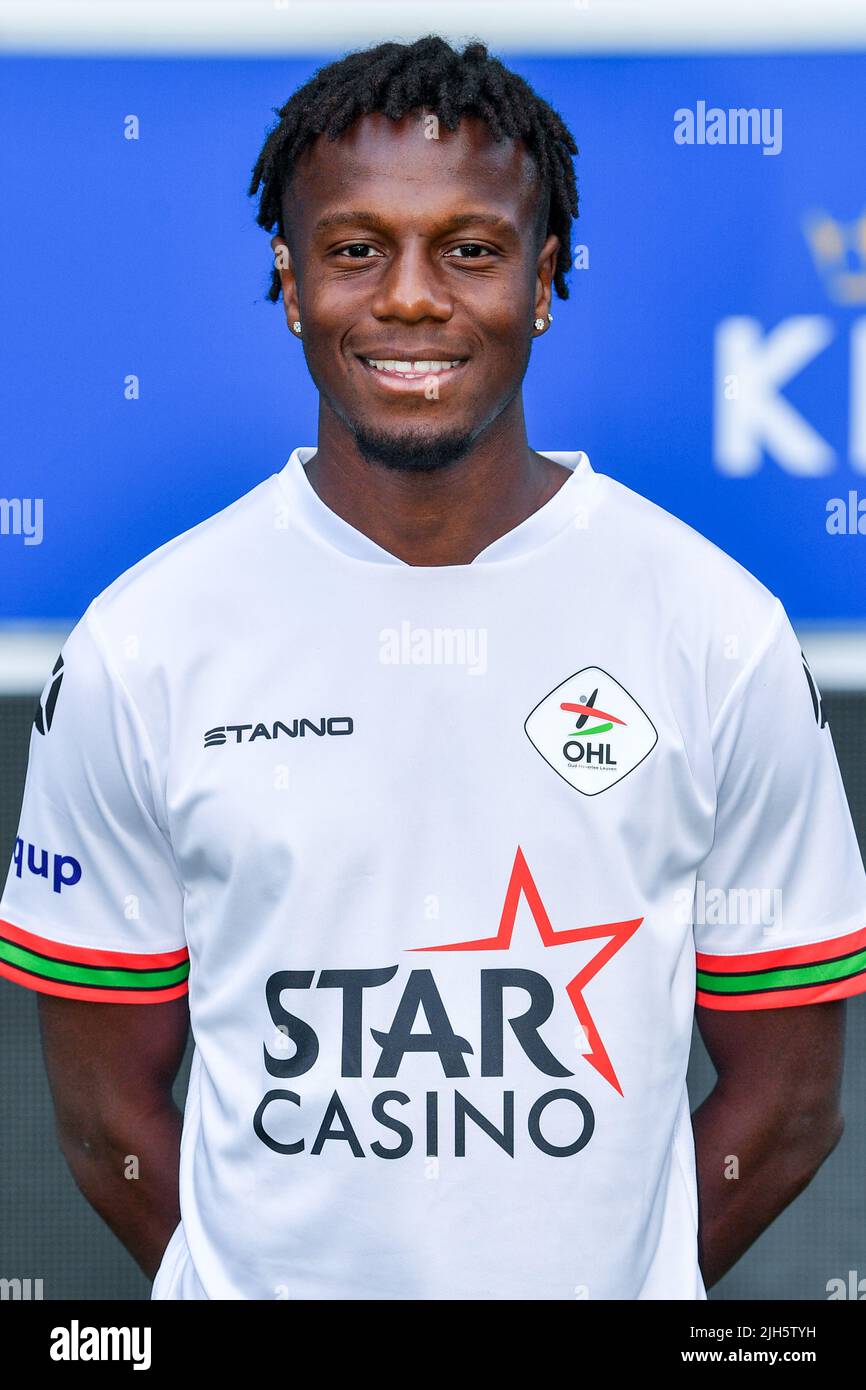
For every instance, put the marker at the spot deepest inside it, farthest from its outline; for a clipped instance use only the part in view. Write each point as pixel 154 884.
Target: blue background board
pixel 143 257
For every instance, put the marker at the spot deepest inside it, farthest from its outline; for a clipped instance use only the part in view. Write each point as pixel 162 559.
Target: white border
pixel 837 656
pixel 268 27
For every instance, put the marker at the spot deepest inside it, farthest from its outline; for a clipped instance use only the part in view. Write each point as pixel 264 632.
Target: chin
pixel 413 449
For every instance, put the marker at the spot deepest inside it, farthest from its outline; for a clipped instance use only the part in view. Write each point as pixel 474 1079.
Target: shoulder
pixel 157 624
pixel 688 575
pixel 712 622
pixel 193 574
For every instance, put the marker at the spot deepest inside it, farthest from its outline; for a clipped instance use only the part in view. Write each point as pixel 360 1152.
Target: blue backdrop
pixel 142 257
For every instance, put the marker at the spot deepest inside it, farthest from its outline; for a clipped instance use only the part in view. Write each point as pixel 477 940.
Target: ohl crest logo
pixel 45 708
pixel 606 740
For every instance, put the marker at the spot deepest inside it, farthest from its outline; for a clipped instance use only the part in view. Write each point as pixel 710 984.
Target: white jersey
pixel 444 856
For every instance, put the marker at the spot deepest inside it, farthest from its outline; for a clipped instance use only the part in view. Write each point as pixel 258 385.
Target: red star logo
pixel 616 934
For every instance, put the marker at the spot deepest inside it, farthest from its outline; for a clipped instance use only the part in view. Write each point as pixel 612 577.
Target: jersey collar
pixel 308 508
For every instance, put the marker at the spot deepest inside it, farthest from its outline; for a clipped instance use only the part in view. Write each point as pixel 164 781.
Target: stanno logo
pixel 332 725
pixel 591 731
pixel 45 708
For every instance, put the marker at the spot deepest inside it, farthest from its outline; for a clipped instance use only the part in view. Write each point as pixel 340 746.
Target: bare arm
pixel 111 1069
pixel 775 1109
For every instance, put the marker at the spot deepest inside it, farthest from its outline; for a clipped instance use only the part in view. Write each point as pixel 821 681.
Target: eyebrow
pixel 377 223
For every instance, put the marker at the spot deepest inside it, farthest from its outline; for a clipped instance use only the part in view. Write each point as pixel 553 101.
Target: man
pixel 434 768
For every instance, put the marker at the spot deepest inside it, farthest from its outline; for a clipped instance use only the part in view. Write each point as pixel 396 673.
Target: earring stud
pixel 539 324
pixel 296 326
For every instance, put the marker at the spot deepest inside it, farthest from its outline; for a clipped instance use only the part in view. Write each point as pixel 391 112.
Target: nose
pixel 411 290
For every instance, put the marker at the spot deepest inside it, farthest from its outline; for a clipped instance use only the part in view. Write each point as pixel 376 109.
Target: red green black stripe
pixel 809 974
pixel 84 973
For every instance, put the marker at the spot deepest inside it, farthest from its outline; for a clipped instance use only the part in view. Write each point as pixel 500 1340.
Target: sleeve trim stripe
pixel 87 955
pixel 91 994
pixel 90 976
pixel 784 998
pixel 837 948
pixel 790 977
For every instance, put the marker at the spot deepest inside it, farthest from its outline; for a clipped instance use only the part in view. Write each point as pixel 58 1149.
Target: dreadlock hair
pixel 394 78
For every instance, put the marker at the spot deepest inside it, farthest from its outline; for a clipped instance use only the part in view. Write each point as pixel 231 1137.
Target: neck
pixel 446 517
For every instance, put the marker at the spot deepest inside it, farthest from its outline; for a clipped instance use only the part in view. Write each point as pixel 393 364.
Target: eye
pixel 358 250
pixel 472 251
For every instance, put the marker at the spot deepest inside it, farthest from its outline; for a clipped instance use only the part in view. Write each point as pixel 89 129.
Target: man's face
pixel 416 271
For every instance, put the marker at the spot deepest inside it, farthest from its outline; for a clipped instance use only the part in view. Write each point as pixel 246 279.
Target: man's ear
pixel 545 269
pixel 285 269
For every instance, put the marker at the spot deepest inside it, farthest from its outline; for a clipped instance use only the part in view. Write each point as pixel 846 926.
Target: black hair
pixel 394 78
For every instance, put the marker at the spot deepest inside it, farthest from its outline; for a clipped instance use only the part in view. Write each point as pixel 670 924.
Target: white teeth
pixel 410 368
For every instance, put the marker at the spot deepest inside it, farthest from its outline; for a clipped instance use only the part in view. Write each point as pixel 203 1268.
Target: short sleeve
pixel 93 903
pixel 780 900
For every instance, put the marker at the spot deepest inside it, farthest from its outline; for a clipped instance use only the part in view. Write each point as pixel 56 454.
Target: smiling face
pixel 416 267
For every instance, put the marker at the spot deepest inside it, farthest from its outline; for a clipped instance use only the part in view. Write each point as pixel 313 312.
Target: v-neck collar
pixel 534 530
